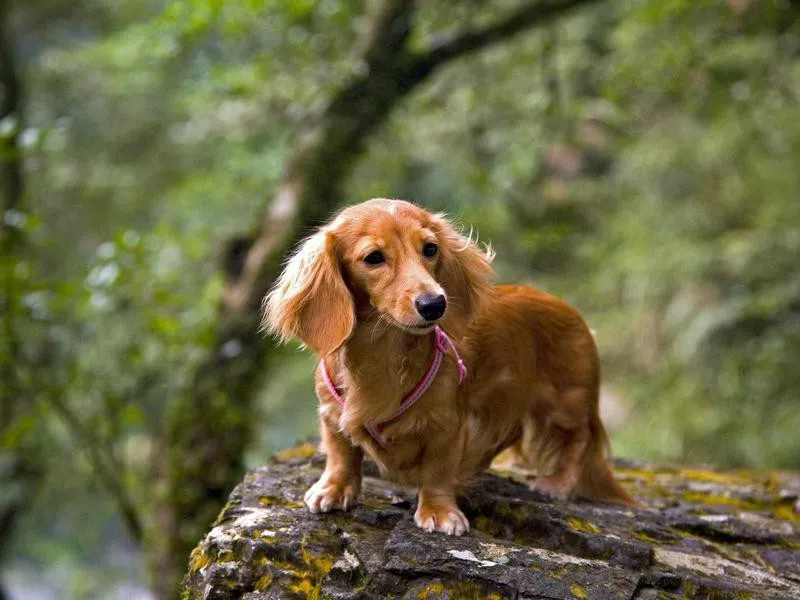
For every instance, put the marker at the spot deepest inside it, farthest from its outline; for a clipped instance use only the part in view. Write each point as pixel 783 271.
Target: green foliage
pixel 653 187
pixel 638 159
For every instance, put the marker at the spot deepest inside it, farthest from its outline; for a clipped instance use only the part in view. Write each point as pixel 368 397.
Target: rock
pixel 700 534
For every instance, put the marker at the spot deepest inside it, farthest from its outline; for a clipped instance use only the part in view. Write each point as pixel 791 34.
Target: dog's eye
pixel 375 257
pixel 430 249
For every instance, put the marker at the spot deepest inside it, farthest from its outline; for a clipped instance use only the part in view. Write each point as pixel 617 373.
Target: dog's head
pixel 383 258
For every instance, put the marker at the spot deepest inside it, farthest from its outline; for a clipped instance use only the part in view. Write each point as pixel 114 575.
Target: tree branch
pixel 389 24
pixel 109 474
pixel 525 17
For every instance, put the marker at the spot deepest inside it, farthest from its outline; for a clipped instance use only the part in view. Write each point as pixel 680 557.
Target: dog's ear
pixel 465 272
pixel 311 301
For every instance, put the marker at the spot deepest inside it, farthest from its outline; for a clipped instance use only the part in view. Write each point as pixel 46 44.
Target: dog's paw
pixel 444 519
pixel 327 495
pixel 558 488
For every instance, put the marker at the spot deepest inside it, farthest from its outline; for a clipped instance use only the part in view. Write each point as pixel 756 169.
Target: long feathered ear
pixel 465 271
pixel 310 301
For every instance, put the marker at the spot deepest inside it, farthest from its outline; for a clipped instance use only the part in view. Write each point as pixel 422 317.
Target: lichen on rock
pixel 700 534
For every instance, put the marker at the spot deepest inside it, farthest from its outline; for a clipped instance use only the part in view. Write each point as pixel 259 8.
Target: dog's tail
pixel 597 481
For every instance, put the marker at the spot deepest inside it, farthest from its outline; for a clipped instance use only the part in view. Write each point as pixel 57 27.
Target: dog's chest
pixel 400 460
pixel 402 442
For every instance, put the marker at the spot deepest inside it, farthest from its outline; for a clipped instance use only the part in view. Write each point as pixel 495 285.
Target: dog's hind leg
pixel 571 447
pixel 561 439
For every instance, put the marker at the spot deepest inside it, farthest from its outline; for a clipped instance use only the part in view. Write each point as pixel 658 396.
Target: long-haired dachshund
pixel 431 370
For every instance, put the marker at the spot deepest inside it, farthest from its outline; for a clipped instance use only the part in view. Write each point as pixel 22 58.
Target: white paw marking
pixel 450 521
pixel 325 496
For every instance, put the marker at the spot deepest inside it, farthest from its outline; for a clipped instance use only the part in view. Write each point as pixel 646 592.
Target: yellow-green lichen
pixel 307 588
pixel 223 514
pixel 784 512
pixel 582 525
pixel 301 574
pixel 198 560
pixel 318 564
pixel 707 476
pixel 301 452
pixel 263 583
pixel 275 501
pixel 431 591
pixel 462 590
pixel 578 591
pixel 645 537
pixel 669 483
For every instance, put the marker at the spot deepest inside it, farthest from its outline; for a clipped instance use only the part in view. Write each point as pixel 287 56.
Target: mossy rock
pixel 700 534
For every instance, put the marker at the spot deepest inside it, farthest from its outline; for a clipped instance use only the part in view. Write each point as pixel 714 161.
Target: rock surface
pixel 700 534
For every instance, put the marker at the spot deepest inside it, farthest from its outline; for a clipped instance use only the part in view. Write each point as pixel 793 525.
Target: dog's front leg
pixel 340 484
pixel 437 509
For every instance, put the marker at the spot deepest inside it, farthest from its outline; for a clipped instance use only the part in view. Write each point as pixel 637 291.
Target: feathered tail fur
pixel 597 481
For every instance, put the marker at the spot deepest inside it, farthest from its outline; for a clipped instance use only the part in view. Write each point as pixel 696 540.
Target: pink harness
pixel 442 346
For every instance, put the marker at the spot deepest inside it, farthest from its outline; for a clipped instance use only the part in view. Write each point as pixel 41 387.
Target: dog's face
pixel 383 258
pixel 391 259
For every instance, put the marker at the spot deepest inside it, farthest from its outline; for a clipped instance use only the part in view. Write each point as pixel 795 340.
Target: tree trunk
pixel 20 459
pixel 11 190
pixel 209 427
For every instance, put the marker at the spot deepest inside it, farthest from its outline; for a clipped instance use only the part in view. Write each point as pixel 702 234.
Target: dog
pixel 383 293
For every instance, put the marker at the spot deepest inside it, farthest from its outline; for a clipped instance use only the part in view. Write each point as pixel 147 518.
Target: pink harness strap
pixel 442 346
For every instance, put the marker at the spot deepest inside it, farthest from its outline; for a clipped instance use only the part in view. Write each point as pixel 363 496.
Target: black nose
pixel 430 307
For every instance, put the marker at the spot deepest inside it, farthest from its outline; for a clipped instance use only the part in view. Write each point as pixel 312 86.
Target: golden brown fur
pixel 534 371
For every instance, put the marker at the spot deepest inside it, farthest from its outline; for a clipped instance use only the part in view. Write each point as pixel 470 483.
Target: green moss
pixel 582 525
pixel 693 590
pixel 263 583
pixel 641 535
pixel 223 514
pixel 275 501
pixel 513 514
pixel 790 544
pixel 302 574
pixel 198 560
pixel 319 564
pixel 711 499
pixel 724 478
pixel 784 512
pixel 670 483
pixel 458 590
pixel 646 537
pixel 306 588
pixel 502 529
pixel 301 452
pixel 578 591
pixel 431 590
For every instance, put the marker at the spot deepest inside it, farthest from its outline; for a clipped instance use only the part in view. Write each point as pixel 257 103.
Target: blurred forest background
pixel 639 158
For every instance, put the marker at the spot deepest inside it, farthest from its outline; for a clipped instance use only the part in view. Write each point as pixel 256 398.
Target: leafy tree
pixel 636 158
pixel 19 456
pixel 198 454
